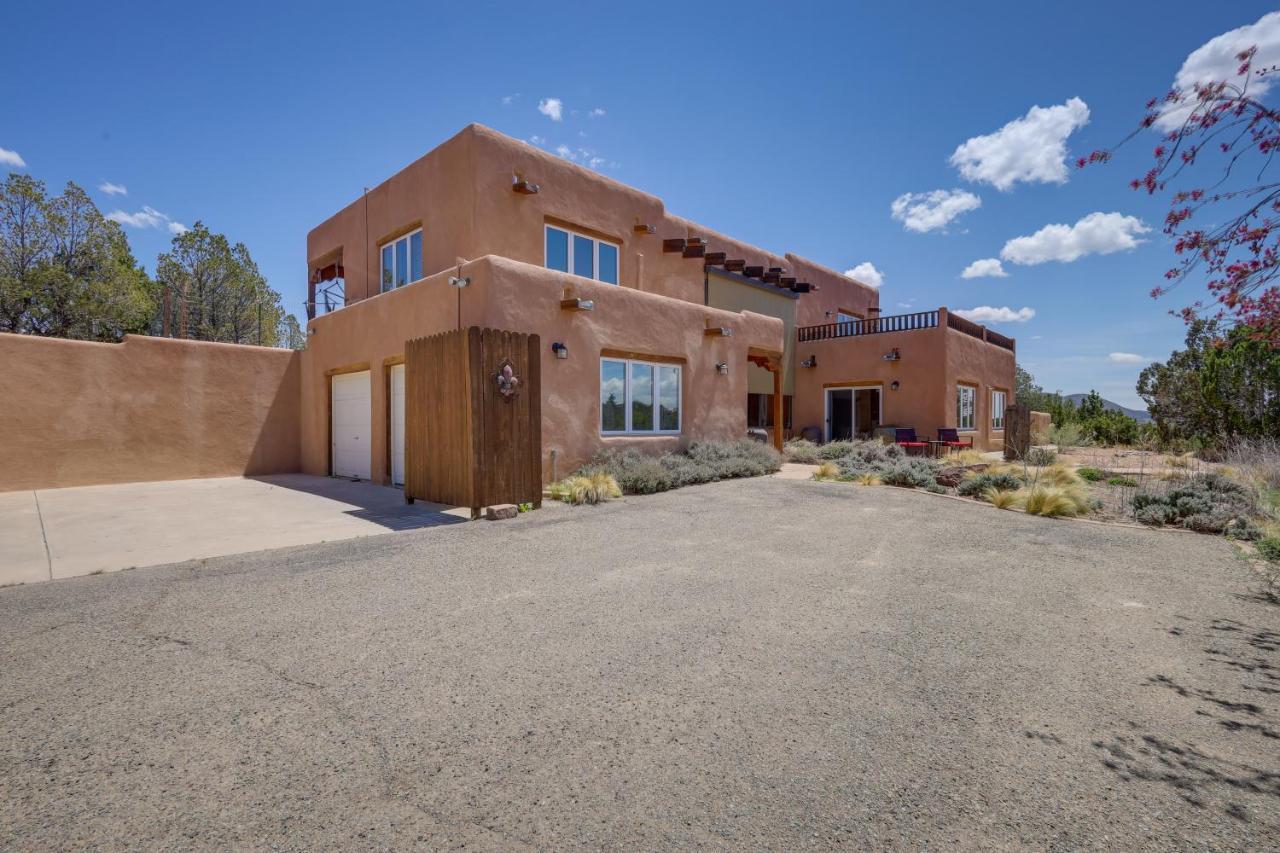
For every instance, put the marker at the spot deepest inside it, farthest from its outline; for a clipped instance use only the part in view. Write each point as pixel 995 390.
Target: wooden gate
pixel 473 418
pixel 1017 432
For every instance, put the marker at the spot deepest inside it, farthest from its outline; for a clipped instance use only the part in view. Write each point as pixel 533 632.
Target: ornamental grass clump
pixel 595 488
pixel 827 471
pixel 1001 498
pixel 1055 501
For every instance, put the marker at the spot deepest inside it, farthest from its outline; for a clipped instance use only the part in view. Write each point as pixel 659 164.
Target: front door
pixel 839 414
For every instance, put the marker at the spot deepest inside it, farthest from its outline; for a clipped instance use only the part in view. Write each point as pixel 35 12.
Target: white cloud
pixel 1032 149
pixel 148 217
pixel 113 189
pixel 1215 62
pixel 508 100
pixel 1095 234
pixel 12 158
pixel 552 108
pixel 540 141
pixel 866 273
pixel 929 211
pixel 990 314
pixel 985 268
pixel 1128 358
pixel 585 156
pixel 597 112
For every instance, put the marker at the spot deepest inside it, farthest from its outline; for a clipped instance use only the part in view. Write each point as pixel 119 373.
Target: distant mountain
pixel 1139 415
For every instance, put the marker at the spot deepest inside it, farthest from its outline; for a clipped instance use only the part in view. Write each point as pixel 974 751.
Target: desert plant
pixel 594 488
pixel 1177 461
pixel 1269 548
pixel 1041 456
pixel 801 450
pixel 1001 498
pixel 827 471
pixel 1126 482
pixel 835 449
pixel 968 456
pixel 638 473
pixel 1093 475
pixel 1049 501
pixel 1205 503
pixel 1057 475
pixel 936 488
pixel 911 472
pixel 867 478
pixel 979 484
pixel 1066 436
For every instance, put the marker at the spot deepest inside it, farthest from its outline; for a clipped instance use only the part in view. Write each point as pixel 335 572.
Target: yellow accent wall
pixel 730 294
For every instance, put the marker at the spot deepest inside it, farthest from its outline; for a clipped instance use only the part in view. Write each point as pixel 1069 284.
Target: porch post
pixel 776 368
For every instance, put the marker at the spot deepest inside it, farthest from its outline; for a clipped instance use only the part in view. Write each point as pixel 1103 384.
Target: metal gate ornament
pixel 508 382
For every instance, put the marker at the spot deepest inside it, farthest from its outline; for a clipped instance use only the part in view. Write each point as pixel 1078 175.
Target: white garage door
pixel 352 432
pixel 397 424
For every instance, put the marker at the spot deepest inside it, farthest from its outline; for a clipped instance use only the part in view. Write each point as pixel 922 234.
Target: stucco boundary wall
pixel 504 294
pixel 76 413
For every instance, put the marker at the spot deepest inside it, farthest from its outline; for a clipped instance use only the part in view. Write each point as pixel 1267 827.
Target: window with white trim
pixel 578 254
pixel 629 390
pixel 966 407
pixel 401 260
pixel 997 409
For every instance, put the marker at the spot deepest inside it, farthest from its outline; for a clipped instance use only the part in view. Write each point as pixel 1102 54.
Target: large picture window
pixel 997 409
pixel 402 260
pixel 966 407
pixel 579 254
pixel 639 397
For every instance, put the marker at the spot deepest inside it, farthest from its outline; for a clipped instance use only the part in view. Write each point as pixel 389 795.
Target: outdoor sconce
pixel 520 185
pixel 459 282
pixel 641 228
pixel 894 385
pixel 892 355
pixel 718 332
pixel 576 304
pixel 560 350
pixel 811 361
pixel 722 368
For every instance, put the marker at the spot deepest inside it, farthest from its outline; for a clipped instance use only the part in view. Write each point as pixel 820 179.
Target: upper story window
pixel 845 317
pixel 579 254
pixel 402 260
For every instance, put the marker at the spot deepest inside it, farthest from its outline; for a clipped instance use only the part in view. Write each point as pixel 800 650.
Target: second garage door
pixel 351 428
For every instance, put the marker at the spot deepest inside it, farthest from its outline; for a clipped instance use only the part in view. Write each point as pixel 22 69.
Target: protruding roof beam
pixel 673 244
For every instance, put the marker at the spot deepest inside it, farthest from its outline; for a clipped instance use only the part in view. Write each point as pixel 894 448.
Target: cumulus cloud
pixel 866 273
pixel 12 158
pixel 552 108
pixel 148 217
pixel 540 141
pixel 113 189
pixel 585 156
pixel 1127 358
pixel 1031 149
pixel 597 112
pixel 929 211
pixel 991 314
pixel 985 268
pixel 1215 62
pixel 508 100
pixel 1095 234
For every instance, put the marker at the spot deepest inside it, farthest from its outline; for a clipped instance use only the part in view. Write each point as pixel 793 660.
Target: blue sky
pixel 794 127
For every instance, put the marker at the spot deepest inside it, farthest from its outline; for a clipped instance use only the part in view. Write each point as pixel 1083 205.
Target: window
pixel 997 410
pixel 581 255
pixel 760 410
pixel 639 397
pixel 402 261
pixel 966 407
pixel 843 317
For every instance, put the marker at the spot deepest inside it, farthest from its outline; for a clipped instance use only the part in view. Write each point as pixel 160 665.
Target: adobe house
pixel 634 307
pixel 638 328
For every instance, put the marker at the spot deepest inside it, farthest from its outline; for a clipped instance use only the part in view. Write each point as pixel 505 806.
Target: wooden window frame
pixel 626 393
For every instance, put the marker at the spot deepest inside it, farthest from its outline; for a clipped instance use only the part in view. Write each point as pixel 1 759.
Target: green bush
pixel 1066 435
pixel 1156 514
pixel 1269 549
pixel 834 450
pixel 1206 503
pixel 1127 482
pixel 1093 475
pixel 1041 456
pixel 801 450
pixel 640 473
pixel 977 486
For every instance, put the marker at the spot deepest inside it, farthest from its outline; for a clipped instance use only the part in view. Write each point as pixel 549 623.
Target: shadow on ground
pixel 381 505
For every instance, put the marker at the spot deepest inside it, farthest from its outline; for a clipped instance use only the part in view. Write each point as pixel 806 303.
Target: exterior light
pixel 892 355
pixel 459 283
pixel 811 361
pixel 894 385
pixel 560 350
pixel 718 331
pixel 520 185
pixel 722 368
pixel 576 304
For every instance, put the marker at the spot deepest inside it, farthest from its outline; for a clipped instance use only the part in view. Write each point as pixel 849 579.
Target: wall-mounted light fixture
pixel 718 332
pixel 642 228
pixel 892 355
pixel 520 185
pixel 894 385
pixel 560 350
pixel 722 368
pixel 811 361
pixel 459 281
pixel 575 304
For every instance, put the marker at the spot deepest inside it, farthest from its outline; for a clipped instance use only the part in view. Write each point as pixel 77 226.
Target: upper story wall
pixel 460 195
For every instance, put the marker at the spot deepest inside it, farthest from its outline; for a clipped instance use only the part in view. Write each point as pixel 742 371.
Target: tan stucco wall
pixel 508 294
pixel 77 413
pixel 931 362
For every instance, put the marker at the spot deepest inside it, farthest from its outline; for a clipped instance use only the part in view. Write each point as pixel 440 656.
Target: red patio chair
pixel 950 439
pixel 906 439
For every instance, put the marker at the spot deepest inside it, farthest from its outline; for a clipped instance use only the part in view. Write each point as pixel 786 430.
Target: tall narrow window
pixel 401 261
pixel 997 409
pixel 579 254
pixel 639 397
pixel 966 407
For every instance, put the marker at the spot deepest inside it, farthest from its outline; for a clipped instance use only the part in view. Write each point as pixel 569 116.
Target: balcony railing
pixel 901 323
pixel 873 326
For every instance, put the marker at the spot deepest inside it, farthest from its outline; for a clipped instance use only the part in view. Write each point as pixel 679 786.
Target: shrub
pixel 801 450
pixel 912 472
pixel 936 488
pixel 968 456
pixel 638 473
pixel 867 479
pixel 1127 482
pixel 1205 503
pixel 1050 501
pixel 594 488
pixel 835 449
pixel 1041 456
pixel 1066 436
pixel 979 484
pixel 732 459
pixel 1057 475
pixel 826 471
pixel 1093 475
pixel 1269 548
pixel 1001 498
pixel 1177 461
pixel 1243 529
pixel 1156 514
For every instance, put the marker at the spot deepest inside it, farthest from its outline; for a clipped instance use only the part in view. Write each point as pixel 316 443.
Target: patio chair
pixel 906 439
pixel 950 439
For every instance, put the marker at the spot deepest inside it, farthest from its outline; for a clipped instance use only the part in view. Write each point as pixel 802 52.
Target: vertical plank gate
pixel 473 418
pixel 1017 432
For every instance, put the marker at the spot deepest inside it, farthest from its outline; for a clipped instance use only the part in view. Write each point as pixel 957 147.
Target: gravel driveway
pixel 755 664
